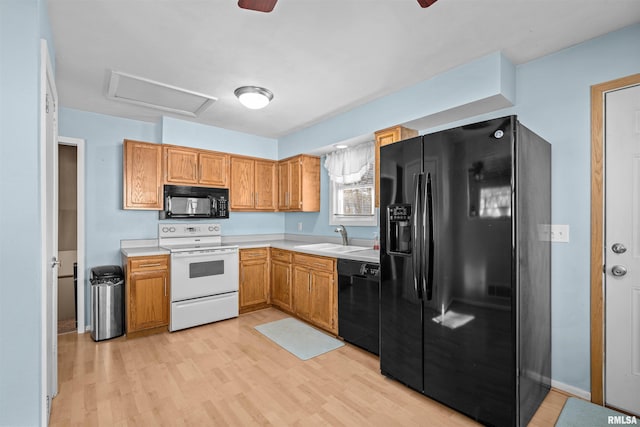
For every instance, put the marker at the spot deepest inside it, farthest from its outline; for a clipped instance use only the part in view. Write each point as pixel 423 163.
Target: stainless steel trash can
pixel 107 302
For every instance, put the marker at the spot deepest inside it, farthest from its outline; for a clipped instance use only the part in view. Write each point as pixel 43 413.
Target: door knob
pixel 618 248
pixel 618 270
pixel 55 262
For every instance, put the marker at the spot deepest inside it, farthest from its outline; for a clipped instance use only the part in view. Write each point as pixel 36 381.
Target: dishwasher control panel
pixel 372 270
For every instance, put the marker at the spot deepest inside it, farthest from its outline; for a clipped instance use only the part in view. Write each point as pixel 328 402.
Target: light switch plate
pixel 560 233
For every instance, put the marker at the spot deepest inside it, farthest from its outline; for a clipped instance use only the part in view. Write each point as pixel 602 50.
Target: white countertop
pixel 144 251
pixel 368 255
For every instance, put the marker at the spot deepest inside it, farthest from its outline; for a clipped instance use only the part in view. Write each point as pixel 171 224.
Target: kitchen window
pixel 352 186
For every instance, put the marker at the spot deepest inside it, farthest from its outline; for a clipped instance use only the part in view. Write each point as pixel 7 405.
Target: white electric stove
pixel 204 274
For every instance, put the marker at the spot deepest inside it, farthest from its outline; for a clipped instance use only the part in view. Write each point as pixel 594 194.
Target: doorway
pixel 71 276
pixel 598 278
pixel 67 238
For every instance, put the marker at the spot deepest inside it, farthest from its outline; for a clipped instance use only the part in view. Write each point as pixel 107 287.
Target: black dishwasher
pixel 359 304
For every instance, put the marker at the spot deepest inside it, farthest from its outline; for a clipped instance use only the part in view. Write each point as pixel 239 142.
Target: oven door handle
pixel 193 254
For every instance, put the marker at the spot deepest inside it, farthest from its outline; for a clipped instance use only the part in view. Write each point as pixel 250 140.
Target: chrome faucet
pixel 343 232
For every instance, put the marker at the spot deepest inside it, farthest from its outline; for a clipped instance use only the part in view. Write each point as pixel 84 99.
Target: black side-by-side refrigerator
pixel 465 268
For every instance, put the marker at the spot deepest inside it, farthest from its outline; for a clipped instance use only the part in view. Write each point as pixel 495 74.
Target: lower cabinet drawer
pixel 199 311
pixel 280 255
pixel 314 262
pixel 149 263
pixel 246 254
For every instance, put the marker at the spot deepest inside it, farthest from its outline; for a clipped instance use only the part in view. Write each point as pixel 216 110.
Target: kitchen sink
pixel 332 248
pixel 343 249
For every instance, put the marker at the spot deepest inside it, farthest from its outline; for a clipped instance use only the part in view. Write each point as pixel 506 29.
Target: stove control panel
pixel 188 230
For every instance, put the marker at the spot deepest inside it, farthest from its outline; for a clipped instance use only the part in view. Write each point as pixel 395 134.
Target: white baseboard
pixel 571 390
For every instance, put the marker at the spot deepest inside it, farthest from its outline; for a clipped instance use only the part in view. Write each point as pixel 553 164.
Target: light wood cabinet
pixel 190 166
pixel 214 169
pixel 301 284
pixel 281 278
pixel 315 290
pixel 299 184
pixel 290 185
pixel 385 137
pixel 254 279
pixel 242 183
pixel 142 175
pixel 284 176
pixel 265 185
pixel 147 294
pixel 302 292
pixel 253 184
pixel 180 165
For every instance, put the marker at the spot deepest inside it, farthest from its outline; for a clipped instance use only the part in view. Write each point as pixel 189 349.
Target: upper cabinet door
pixel 214 169
pixel 241 194
pixel 142 180
pixel 283 186
pixel 181 165
pixel 295 184
pixel 299 184
pixel 253 184
pixel 190 166
pixel 385 137
pixel 265 185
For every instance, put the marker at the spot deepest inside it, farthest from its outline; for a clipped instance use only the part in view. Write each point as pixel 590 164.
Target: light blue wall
pixel 182 132
pixel 481 79
pixel 21 388
pixel 105 221
pixel 554 100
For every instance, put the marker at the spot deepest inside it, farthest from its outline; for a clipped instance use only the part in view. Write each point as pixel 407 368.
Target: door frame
pixel 80 225
pixel 598 349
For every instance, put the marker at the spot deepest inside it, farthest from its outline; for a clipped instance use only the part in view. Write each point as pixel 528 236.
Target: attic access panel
pixel 152 94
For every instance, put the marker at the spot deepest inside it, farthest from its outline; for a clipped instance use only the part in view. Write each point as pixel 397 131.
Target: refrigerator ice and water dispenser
pixel 399 229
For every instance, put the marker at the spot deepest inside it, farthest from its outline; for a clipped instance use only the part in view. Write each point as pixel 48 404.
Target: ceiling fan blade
pixel 258 5
pixel 426 3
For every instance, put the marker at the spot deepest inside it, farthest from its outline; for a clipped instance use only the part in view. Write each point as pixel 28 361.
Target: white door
pixel 49 200
pixel 622 249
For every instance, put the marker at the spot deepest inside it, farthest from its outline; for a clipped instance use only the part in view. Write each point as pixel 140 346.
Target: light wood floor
pixel 227 373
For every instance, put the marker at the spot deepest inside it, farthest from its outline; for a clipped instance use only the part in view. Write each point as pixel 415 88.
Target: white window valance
pixel 350 164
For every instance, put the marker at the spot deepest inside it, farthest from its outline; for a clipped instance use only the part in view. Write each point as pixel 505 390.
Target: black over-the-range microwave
pixel 194 202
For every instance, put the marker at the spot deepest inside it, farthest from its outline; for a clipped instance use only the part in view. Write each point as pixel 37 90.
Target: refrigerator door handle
pixel 428 239
pixel 416 250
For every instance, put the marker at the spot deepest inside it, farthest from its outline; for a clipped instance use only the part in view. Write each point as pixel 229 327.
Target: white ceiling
pixel 318 57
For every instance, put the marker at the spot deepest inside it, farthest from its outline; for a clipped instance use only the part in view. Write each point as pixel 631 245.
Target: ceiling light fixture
pixel 254 97
pixel 340 146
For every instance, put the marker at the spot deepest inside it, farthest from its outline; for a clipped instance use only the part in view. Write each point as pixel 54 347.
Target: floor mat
pixel 580 413
pixel 299 338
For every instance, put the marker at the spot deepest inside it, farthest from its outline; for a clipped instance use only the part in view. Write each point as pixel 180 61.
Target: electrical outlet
pixel 299 226
pixel 560 233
